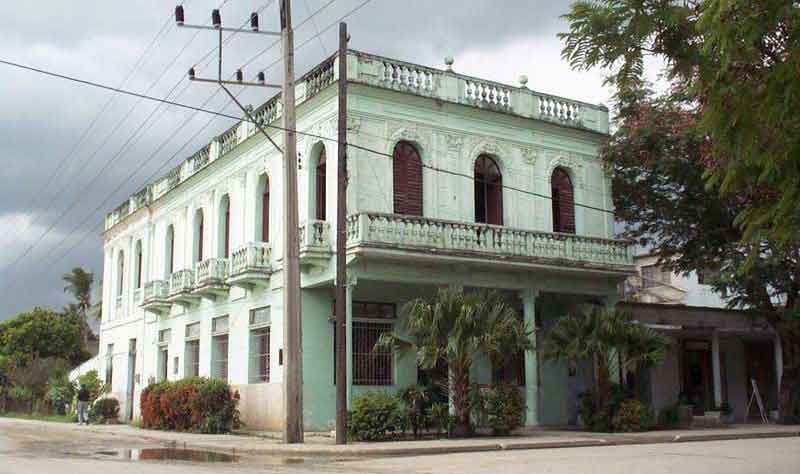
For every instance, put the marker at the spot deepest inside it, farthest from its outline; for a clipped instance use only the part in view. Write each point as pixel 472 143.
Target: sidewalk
pixel 318 444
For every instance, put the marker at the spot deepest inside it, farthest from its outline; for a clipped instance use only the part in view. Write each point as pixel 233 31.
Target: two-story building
pixel 454 181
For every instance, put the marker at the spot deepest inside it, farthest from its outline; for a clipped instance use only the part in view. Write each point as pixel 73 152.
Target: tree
pixel 734 63
pixel 455 328
pixel 706 175
pixel 79 285
pixel 603 335
pixel 41 333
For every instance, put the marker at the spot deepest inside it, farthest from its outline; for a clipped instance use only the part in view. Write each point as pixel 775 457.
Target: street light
pixel 254 21
pixel 216 20
pixel 179 15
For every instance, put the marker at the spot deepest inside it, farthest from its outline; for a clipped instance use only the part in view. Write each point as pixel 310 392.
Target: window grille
pixel 370 367
pixel 259 354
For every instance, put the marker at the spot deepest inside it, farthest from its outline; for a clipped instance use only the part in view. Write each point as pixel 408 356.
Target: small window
pixel 193 331
pixel 407 180
pixel 219 357
pixel 175 365
pixel 164 336
pixel 169 252
pixel 224 221
pixel 220 325
pixel 139 264
pixel 163 362
pixel 120 273
pixel 199 237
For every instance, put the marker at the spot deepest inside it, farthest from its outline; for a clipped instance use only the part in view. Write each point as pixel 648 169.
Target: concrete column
pixel 778 361
pixel 349 342
pixel 531 360
pixel 716 368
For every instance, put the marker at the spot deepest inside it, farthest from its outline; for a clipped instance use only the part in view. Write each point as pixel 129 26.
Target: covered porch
pixel 715 355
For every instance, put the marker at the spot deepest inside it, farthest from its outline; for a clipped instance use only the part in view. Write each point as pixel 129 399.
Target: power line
pixel 277 127
pixel 128 141
pixel 85 132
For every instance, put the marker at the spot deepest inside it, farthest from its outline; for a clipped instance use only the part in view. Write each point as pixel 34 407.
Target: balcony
pixel 425 237
pixel 315 243
pixel 155 297
pixel 250 265
pixel 181 284
pixel 210 278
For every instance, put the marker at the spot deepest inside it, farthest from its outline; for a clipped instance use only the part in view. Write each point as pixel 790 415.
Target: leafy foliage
pixel 375 416
pixel 41 333
pixel 669 417
pixel 505 407
pixel 453 329
pixel 196 404
pixel 94 385
pixel 632 415
pixel 60 392
pixel 105 410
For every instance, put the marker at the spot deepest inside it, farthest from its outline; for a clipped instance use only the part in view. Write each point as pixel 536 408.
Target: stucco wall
pixel 665 379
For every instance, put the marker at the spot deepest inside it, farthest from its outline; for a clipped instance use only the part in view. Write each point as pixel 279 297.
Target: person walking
pixel 83 405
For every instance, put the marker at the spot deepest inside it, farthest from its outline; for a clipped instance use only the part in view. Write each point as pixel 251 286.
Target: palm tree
pixel 603 335
pixel 454 328
pixel 79 284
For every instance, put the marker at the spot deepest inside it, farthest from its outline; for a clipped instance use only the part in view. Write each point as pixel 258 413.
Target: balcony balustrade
pixel 250 265
pixel 211 278
pixel 156 293
pixel 315 243
pixel 421 234
pixel 181 284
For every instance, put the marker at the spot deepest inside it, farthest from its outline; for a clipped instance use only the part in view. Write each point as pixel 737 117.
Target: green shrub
pixel 668 417
pixel 505 407
pixel 632 415
pixel 196 404
pixel 440 418
pixel 60 391
pixel 105 410
pixel 375 416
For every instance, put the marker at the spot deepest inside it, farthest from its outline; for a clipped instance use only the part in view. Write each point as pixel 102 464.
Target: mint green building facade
pixel 496 234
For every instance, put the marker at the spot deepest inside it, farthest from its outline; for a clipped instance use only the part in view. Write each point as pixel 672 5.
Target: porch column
pixel 349 341
pixel 778 361
pixel 531 360
pixel 715 365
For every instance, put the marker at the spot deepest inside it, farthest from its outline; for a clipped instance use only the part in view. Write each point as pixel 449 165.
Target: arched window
pixel 262 209
pixel 138 263
pixel 563 202
pixel 199 231
pixel 120 272
pixel 224 227
pixel 488 191
pixel 169 252
pixel 407 177
pixel 320 185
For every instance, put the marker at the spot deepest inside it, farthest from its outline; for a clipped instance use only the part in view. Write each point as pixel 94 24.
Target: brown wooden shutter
pixel 200 239
pixel 562 194
pixel 407 178
pixel 488 191
pixel 139 269
pixel 227 230
pixel 321 191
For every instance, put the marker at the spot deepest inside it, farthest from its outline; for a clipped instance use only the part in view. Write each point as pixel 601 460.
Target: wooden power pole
pixel 292 327
pixel 341 257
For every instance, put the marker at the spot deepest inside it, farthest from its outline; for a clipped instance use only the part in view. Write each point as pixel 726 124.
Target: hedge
pixel 197 404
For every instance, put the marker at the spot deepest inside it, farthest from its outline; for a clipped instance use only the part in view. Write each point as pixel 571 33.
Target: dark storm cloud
pixel 42 118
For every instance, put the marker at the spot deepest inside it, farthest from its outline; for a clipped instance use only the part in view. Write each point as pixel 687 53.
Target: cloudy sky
pixel 70 153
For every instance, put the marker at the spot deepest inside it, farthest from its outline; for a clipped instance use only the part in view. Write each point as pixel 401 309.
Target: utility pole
pixel 292 332
pixel 292 327
pixel 341 257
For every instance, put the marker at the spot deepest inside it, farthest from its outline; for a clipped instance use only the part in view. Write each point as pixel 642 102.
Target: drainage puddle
pixel 169 454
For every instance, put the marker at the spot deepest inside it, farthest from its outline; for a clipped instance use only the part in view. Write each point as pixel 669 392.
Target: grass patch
pixel 39 417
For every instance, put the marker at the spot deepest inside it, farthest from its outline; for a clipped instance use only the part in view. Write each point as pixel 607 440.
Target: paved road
pixel 35 451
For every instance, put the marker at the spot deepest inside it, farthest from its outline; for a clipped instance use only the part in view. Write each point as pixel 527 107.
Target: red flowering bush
pixel 196 404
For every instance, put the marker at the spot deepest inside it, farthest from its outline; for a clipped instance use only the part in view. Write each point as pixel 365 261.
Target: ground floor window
pixel 163 363
pixel 219 348
pixel 370 367
pixel 259 355
pixel 191 358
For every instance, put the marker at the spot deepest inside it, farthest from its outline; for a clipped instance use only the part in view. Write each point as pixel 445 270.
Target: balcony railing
pixel 252 257
pixel 211 272
pixel 180 282
pixel 421 233
pixel 315 234
pixel 155 290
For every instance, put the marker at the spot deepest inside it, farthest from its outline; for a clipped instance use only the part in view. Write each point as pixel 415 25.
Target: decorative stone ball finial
pixel 448 61
pixel 523 81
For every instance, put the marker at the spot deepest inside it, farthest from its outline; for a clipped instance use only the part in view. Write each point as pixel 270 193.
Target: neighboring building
pixel 716 351
pixel 193 261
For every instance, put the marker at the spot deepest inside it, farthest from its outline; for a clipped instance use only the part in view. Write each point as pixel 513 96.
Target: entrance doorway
pixel 698 385
pixel 131 377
